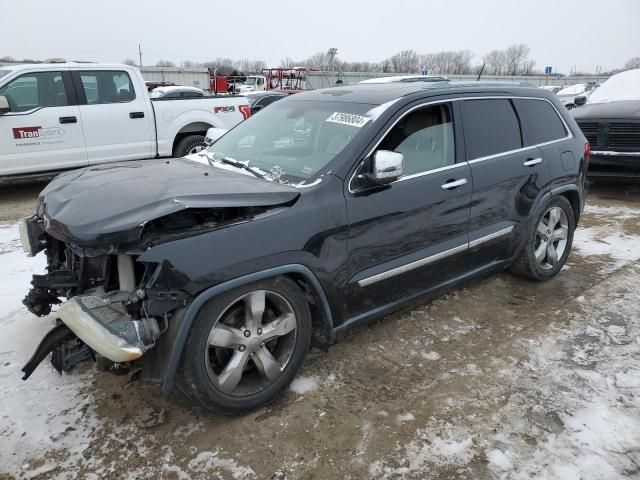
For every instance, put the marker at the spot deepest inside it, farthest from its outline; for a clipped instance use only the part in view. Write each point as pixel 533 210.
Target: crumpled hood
pixel 110 203
pixel 619 109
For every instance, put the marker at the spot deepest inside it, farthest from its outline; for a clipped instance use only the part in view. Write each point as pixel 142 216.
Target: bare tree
pixel 516 56
pixel 287 62
pixel 632 64
pixel 495 62
pixel 455 63
pixel 405 61
pixel 165 63
pixel 129 61
pixel 258 65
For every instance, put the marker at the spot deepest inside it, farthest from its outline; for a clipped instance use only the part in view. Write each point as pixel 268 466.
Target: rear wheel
pixel 190 145
pixel 548 242
pixel 245 346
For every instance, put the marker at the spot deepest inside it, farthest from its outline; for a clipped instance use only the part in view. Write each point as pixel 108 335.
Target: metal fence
pixel 327 79
pixel 192 77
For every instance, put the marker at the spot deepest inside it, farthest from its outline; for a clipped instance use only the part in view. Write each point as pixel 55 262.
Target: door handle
pixel 454 184
pixel 136 115
pixel 532 161
pixel 68 120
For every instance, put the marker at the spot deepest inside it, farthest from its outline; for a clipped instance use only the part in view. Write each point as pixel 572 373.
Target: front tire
pixel 548 241
pixel 189 145
pixel 245 346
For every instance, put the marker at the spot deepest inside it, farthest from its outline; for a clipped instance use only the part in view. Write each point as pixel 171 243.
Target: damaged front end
pixel 116 308
pixel 94 224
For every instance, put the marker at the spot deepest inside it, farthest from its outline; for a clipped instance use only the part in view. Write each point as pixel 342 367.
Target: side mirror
pixel 213 134
pixel 580 101
pixel 387 167
pixel 4 105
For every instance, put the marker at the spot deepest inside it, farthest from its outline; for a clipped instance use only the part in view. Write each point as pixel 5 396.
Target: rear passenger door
pixel 508 176
pixel 43 129
pixel 117 121
pixel 543 127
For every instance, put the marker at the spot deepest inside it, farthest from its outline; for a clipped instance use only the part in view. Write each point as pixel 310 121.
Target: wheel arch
pixel 318 304
pixel 572 194
pixel 193 128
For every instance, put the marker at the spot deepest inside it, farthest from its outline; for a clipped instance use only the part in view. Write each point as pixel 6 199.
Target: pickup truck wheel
pixel 190 145
pixel 246 346
pixel 548 242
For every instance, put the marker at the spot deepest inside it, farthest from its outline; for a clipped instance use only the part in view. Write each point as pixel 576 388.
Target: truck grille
pixel 590 130
pixel 624 135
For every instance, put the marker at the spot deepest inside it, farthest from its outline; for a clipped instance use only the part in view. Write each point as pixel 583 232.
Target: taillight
pixel 587 154
pixel 245 110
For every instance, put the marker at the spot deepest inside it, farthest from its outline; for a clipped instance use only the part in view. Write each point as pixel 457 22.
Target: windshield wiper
pixel 217 156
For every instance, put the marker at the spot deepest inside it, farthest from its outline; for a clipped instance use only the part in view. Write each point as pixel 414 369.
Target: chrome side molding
pixel 433 258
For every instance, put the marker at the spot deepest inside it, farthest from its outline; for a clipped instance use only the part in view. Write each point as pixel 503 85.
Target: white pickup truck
pixel 55 116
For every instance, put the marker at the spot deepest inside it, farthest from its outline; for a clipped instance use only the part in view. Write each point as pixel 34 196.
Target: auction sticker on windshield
pixel 348 119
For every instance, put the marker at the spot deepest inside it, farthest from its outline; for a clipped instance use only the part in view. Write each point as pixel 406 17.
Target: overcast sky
pixel 563 34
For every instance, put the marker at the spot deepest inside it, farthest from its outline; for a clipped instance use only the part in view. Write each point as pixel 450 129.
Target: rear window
pixel 490 127
pixel 540 121
pixel 105 86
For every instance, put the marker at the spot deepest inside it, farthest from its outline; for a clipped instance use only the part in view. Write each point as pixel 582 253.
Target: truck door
pixel 117 119
pixel 43 130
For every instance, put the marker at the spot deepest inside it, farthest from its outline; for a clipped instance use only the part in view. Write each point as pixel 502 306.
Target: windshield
pixel 623 86
pixel 3 73
pixel 250 81
pixel 293 139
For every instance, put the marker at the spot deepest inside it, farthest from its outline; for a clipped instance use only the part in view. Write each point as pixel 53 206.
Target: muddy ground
pixel 502 378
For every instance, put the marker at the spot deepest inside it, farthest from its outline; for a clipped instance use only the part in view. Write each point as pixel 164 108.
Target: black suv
pixel 330 208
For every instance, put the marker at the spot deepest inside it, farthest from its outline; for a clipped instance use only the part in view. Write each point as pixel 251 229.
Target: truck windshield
pixel 293 139
pixel 250 81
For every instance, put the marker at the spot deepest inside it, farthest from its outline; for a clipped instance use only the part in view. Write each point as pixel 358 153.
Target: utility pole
pixel 140 54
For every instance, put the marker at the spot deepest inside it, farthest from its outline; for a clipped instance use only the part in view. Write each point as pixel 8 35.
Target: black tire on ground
pixel 187 144
pixel 193 379
pixel 525 264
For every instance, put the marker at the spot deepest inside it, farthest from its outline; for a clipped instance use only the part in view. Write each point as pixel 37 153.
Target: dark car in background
pixel 259 100
pixel 610 119
pixel 328 209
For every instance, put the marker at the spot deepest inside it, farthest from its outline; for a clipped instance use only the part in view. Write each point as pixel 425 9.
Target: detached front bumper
pixel 610 165
pixel 107 328
pixel 98 323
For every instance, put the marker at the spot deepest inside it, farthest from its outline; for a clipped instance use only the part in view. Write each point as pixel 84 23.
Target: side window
pixel 35 90
pixel 425 139
pixel 490 127
pixel 540 121
pixel 269 100
pixel 107 87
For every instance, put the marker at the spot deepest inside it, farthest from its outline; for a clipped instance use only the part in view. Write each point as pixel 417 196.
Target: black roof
pixel 379 93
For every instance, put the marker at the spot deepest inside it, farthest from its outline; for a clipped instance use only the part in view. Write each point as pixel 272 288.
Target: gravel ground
pixel 500 379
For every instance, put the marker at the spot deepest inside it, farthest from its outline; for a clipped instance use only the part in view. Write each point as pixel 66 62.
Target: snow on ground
pixel 49 421
pixel 604 239
pixel 49 411
pixel 578 395
pixel 303 385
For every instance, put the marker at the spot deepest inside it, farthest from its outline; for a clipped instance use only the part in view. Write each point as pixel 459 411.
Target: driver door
pixel 410 236
pixel 43 130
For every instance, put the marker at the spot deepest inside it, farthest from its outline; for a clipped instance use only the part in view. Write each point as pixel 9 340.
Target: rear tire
pixel 245 347
pixel 189 145
pixel 548 242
